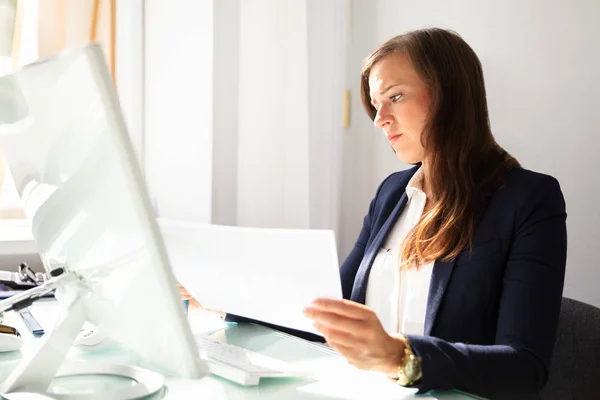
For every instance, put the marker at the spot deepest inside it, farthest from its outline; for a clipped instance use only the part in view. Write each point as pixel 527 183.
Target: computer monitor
pixel 67 147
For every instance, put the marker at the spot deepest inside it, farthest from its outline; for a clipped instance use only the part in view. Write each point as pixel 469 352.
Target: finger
pixel 182 291
pixel 332 335
pixel 219 313
pixel 344 307
pixel 333 320
pixel 185 295
pixel 347 352
pixel 194 303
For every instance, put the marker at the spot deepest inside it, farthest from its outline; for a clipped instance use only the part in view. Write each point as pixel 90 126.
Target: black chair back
pixel 575 367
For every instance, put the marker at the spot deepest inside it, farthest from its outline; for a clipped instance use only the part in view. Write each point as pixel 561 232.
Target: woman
pixel 456 278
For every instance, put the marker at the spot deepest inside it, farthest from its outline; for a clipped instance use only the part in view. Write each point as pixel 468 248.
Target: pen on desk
pixel 34 327
pixel 9 293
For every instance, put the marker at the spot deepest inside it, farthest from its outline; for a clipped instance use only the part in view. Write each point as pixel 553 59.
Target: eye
pixel 396 97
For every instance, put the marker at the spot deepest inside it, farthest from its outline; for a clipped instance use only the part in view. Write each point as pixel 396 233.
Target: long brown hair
pixel 464 162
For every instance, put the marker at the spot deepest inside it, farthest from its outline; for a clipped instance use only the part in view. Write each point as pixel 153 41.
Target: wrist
pixel 409 369
pixel 395 358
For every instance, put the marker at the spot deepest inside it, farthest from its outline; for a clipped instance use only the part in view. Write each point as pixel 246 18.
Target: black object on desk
pixel 24 278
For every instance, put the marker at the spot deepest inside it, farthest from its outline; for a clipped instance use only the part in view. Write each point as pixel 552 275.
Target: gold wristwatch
pixel 409 370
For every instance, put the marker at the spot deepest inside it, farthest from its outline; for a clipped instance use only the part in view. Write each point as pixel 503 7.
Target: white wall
pixel 328 44
pixel 357 185
pixel 273 178
pixel 541 61
pixel 259 144
pixel 226 79
pixel 178 110
pixel 129 69
pixel 292 75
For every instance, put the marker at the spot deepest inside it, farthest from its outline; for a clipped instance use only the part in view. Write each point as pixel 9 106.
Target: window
pixel 33 37
pixel 22 41
pixel 10 203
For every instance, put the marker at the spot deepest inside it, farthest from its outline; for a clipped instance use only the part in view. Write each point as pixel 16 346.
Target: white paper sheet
pixel 266 274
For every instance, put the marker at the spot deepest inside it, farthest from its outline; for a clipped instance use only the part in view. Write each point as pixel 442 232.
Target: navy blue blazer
pixel 492 312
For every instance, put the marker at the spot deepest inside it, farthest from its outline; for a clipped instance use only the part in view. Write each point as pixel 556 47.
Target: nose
pixel 383 118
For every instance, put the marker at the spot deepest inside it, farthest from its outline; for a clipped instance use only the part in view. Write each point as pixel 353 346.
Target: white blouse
pixel 399 297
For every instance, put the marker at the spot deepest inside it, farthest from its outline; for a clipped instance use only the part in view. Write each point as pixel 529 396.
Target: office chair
pixel 575 366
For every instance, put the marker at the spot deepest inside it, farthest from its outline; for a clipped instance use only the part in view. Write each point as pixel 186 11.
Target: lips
pixel 393 136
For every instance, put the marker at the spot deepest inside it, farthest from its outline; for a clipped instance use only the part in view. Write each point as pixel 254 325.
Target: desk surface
pixel 334 378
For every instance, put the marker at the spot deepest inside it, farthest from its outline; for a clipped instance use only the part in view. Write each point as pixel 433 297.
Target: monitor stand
pixel 39 367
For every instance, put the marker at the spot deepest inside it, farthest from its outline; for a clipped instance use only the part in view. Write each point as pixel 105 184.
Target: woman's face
pixel 402 102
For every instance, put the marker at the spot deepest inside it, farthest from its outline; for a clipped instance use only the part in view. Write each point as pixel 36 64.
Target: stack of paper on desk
pixel 266 274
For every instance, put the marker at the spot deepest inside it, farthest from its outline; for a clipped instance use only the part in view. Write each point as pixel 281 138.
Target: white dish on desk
pixel 10 342
pixel 90 337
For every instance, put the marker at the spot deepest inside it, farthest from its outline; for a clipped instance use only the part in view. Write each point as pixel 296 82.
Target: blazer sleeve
pixel 528 314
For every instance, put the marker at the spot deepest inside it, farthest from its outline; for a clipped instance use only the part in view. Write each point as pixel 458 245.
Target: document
pixel 266 274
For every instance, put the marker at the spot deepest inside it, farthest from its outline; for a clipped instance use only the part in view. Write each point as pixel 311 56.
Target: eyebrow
pixel 385 90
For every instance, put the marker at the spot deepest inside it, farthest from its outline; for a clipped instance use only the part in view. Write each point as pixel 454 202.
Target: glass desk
pixel 333 377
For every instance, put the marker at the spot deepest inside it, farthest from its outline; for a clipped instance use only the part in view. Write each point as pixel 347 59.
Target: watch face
pixel 412 369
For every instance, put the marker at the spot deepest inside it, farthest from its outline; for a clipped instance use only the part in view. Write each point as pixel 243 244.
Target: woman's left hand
pixel 354 330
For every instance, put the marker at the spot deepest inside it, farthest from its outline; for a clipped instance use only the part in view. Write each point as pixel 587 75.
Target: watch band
pixel 409 370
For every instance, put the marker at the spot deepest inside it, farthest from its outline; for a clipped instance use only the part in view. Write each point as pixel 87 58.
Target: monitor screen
pixel 67 147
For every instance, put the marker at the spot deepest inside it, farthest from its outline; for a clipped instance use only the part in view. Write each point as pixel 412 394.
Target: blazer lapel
pixel 440 276
pixel 359 289
pixel 442 272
